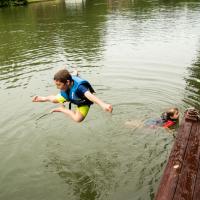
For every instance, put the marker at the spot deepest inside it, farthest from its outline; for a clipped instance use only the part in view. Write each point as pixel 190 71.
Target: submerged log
pixel 181 177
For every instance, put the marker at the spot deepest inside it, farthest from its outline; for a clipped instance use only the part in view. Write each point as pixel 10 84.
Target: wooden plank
pixel 187 177
pixel 173 168
pixel 196 195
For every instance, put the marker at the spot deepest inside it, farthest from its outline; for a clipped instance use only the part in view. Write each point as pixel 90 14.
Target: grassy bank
pixel 35 1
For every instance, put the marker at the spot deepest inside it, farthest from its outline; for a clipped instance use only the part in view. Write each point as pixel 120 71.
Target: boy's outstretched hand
pixel 108 107
pixel 36 99
pixel 51 98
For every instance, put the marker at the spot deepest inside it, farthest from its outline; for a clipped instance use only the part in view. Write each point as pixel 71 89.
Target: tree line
pixel 4 3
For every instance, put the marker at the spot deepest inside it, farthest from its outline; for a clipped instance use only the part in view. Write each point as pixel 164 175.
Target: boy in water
pixel 73 90
pixel 167 120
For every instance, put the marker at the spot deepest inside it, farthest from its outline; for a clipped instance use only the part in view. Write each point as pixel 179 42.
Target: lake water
pixel 141 56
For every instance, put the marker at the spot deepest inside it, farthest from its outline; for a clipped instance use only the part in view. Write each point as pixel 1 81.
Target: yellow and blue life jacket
pixel 72 95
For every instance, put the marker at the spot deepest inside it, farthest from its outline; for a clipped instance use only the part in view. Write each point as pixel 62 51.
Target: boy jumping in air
pixel 74 90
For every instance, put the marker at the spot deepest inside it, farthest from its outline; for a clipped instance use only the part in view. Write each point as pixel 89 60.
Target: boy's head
pixel 173 113
pixel 63 79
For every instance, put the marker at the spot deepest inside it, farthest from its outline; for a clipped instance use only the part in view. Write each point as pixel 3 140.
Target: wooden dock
pixel 181 177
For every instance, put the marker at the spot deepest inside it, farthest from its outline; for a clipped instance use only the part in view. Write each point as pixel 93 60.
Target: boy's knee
pixel 79 119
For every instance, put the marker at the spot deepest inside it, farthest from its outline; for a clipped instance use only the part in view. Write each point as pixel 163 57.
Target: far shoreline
pixel 8 3
pixel 37 1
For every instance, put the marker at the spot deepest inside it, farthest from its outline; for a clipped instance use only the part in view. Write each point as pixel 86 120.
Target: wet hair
pixel 63 75
pixel 171 112
pixel 168 114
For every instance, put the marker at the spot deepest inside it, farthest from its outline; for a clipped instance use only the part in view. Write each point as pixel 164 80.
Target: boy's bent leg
pixel 75 115
pixel 78 115
pixel 83 110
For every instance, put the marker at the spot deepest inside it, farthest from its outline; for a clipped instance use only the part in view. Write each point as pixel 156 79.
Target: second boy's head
pixel 63 79
pixel 173 113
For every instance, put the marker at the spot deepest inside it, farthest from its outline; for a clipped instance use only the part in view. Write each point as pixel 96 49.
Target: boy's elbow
pixel 54 101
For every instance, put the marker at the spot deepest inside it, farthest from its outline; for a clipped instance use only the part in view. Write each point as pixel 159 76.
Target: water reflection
pixel 140 50
pixel 75 32
pixel 145 5
pixel 193 85
pixel 75 4
pixel 49 33
pixel 90 177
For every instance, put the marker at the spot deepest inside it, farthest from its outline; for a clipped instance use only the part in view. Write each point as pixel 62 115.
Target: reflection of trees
pixel 193 85
pixel 40 33
pixel 83 36
pixel 74 21
pixel 89 178
pixel 46 24
pixel 75 28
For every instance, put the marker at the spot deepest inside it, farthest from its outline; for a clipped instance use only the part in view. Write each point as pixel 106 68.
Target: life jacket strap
pixel 70 106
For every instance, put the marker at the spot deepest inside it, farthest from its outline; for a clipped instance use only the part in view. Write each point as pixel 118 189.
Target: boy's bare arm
pixel 94 99
pixel 45 99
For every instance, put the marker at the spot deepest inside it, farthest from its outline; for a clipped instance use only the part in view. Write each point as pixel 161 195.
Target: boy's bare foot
pixel 75 73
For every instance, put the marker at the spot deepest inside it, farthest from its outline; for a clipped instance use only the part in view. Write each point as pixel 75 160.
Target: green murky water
pixel 140 56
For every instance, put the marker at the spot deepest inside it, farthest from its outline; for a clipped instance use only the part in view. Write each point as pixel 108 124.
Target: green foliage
pixel 12 2
pixel 4 3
